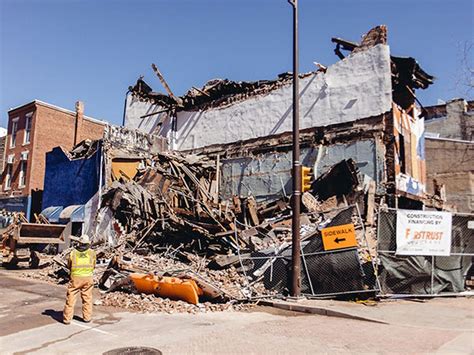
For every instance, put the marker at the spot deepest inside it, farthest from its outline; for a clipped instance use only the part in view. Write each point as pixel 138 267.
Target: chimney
pixel 78 121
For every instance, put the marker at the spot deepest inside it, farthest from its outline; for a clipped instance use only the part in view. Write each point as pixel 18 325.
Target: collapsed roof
pixel 407 75
pixel 216 92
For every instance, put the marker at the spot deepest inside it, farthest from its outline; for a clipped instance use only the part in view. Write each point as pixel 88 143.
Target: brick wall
pixel 91 130
pixel 450 163
pixel 2 153
pixel 56 128
pixel 51 127
pixel 20 146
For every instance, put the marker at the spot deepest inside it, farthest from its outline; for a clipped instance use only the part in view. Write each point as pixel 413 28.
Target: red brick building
pixel 34 129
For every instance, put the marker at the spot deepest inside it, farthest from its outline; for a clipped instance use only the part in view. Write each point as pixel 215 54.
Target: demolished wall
pixel 359 86
pixel 262 167
pixel 133 141
pixel 72 178
pixel 356 87
pixel 268 176
pixel 407 152
pixel 71 181
pixel 139 114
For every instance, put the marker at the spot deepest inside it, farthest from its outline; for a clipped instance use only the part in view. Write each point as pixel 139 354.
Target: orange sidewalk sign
pixel 339 237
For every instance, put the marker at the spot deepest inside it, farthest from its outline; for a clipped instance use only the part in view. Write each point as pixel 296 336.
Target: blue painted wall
pixel 70 182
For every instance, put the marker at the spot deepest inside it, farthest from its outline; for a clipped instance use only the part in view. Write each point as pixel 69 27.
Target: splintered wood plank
pixel 252 208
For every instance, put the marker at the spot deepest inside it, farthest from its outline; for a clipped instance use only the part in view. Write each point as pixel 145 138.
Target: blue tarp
pixel 74 213
pixel 52 213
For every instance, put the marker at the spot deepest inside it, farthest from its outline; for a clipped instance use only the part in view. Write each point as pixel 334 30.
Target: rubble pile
pixel 170 222
pixel 175 203
pixel 150 303
pixel 174 224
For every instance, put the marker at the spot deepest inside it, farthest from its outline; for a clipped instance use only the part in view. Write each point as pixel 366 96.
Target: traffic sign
pixel 339 237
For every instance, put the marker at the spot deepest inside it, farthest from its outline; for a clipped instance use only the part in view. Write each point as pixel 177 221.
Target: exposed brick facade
pixel 51 126
pixel 2 153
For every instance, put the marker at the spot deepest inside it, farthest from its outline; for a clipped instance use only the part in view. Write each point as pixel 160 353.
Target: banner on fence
pixel 423 233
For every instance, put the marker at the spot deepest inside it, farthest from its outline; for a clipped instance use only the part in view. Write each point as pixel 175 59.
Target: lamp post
pixel 296 196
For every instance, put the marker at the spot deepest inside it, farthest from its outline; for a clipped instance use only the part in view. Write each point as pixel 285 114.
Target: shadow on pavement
pixel 58 315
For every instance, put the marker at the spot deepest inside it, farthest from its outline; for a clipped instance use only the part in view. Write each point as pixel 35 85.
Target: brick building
pixel 450 153
pixel 454 120
pixel 3 138
pixel 34 129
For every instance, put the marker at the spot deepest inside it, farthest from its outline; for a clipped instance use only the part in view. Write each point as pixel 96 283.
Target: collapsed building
pixel 75 180
pixel 214 207
pixel 363 107
pixel 361 124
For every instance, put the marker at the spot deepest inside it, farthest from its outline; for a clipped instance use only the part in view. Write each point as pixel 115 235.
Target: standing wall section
pixel 358 86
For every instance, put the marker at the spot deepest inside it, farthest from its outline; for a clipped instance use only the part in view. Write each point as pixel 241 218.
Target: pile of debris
pixel 150 303
pixel 170 223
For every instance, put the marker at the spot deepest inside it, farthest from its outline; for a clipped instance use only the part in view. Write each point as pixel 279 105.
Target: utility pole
pixel 296 196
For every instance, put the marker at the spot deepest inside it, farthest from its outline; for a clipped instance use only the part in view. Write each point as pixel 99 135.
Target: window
pixel 401 155
pixel 28 118
pixel 14 132
pixel 8 177
pixel 22 178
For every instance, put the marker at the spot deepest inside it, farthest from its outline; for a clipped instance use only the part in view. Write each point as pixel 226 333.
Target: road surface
pixel 30 312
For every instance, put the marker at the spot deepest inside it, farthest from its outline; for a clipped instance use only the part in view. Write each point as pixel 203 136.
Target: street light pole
pixel 296 197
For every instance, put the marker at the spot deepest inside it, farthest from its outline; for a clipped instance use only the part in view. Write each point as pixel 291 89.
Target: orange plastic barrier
pixel 169 287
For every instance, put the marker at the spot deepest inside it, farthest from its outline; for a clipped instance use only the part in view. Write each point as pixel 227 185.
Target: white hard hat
pixel 84 239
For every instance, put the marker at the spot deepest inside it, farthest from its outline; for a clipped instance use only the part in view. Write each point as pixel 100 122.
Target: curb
pixel 296 307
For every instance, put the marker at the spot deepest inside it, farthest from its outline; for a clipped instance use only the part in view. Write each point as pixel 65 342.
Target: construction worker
pixel 81 263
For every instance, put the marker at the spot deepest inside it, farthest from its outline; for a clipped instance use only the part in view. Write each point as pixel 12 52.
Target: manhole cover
pixel 134 350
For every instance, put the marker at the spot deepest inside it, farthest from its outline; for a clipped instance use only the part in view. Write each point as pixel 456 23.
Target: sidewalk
pixel 439 313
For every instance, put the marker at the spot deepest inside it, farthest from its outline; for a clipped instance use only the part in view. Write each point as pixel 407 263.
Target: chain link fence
pixel 424 275
pixel 343 269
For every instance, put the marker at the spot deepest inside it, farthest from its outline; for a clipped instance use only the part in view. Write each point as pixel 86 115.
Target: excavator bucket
pixel 34 233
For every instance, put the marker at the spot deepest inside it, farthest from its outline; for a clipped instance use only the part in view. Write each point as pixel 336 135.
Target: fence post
pixel 307 272
pixel 432 273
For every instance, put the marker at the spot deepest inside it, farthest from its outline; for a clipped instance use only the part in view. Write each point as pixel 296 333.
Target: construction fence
pixel 409 275
pixel 336 263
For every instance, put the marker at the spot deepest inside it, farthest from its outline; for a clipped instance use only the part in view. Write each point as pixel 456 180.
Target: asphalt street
pixel 30 314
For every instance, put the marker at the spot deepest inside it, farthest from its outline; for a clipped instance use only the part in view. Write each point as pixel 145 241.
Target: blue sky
pixel 60 51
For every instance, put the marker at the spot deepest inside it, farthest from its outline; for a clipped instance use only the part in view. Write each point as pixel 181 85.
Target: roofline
pixel 469 102
pixel 450 140
pixel 58 108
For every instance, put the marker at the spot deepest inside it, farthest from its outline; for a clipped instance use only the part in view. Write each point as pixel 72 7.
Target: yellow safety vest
pixel 82 263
